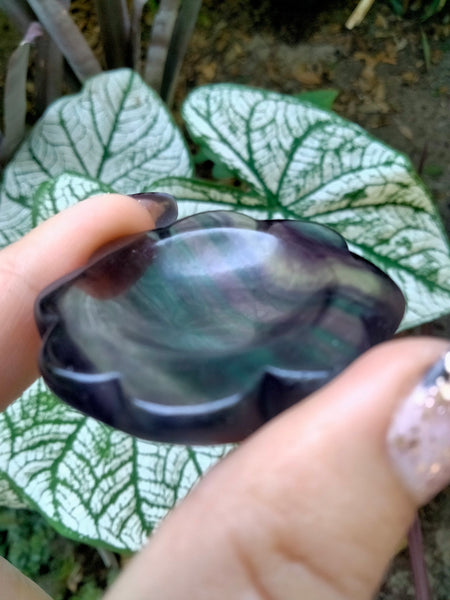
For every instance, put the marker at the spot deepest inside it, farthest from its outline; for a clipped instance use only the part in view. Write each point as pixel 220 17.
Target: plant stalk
pixel 417 559
pixel 184 27
pixel 160 40
pixel 69 39
pixel 15 96
pixel 135 32
pixel 114 21
pixel 50 67
pixel 18 12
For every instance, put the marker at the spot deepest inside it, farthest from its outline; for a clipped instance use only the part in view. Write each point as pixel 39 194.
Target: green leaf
pixel 309 163
pixel 295 161
pixel 15 221
pixel 92 483
pixel 116 131
pixel 320 98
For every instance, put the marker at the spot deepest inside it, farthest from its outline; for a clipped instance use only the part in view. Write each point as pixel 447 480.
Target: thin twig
pixel 422 159
pixel 359 13
pixel 108 558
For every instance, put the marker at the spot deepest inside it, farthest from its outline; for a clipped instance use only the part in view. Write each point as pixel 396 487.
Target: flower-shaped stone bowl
pixel 202 331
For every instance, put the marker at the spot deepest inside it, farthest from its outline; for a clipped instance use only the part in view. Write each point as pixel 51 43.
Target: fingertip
pixel 162 207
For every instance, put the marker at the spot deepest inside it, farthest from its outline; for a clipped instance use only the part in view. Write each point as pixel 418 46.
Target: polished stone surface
pixel 202 331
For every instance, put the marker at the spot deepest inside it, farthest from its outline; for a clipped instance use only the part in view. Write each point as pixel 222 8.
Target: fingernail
pixel 162 207
pixel 419 436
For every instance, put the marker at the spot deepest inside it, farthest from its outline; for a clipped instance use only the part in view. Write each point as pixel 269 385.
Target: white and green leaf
pixel 93 483
pixel 116 131
pixel 9 495
pixel 196 195
pixel 57 194
pixel 295 161
pixel 307 163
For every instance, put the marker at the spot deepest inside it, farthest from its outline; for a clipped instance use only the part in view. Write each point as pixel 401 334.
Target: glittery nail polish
pixel 163 207
pixel 419 436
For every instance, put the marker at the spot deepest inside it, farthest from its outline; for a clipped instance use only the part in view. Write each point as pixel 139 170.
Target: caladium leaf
pixel 93 483
pixel 304 162
pixel 9 495
pixel 116 130
pixel 55 195
pixel 15 221
pixel 195 195
pixel 295 161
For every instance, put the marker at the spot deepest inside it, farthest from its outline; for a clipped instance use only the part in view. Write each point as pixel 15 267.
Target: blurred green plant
pixel 426 8
pixel 64 59
pixel 62 568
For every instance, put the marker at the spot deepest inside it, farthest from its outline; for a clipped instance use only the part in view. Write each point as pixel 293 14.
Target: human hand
pixel 311 506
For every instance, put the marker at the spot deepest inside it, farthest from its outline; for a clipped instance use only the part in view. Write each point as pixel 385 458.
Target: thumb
pixel 315 504
pixel 56 247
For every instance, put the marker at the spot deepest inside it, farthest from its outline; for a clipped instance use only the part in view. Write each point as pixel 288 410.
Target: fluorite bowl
pixel 202 331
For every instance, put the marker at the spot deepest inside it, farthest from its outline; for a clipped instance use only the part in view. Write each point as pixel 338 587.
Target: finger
pixel 56 247
pixel 15 586
pixel 312 506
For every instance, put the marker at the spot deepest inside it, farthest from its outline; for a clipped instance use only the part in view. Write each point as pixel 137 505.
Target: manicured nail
pixel 162 207
pixel 419 435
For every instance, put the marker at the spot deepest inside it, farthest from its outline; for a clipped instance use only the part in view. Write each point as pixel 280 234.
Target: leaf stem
pixel 114 22
pixel 182 32
pixel 158 49
pixel 417 559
